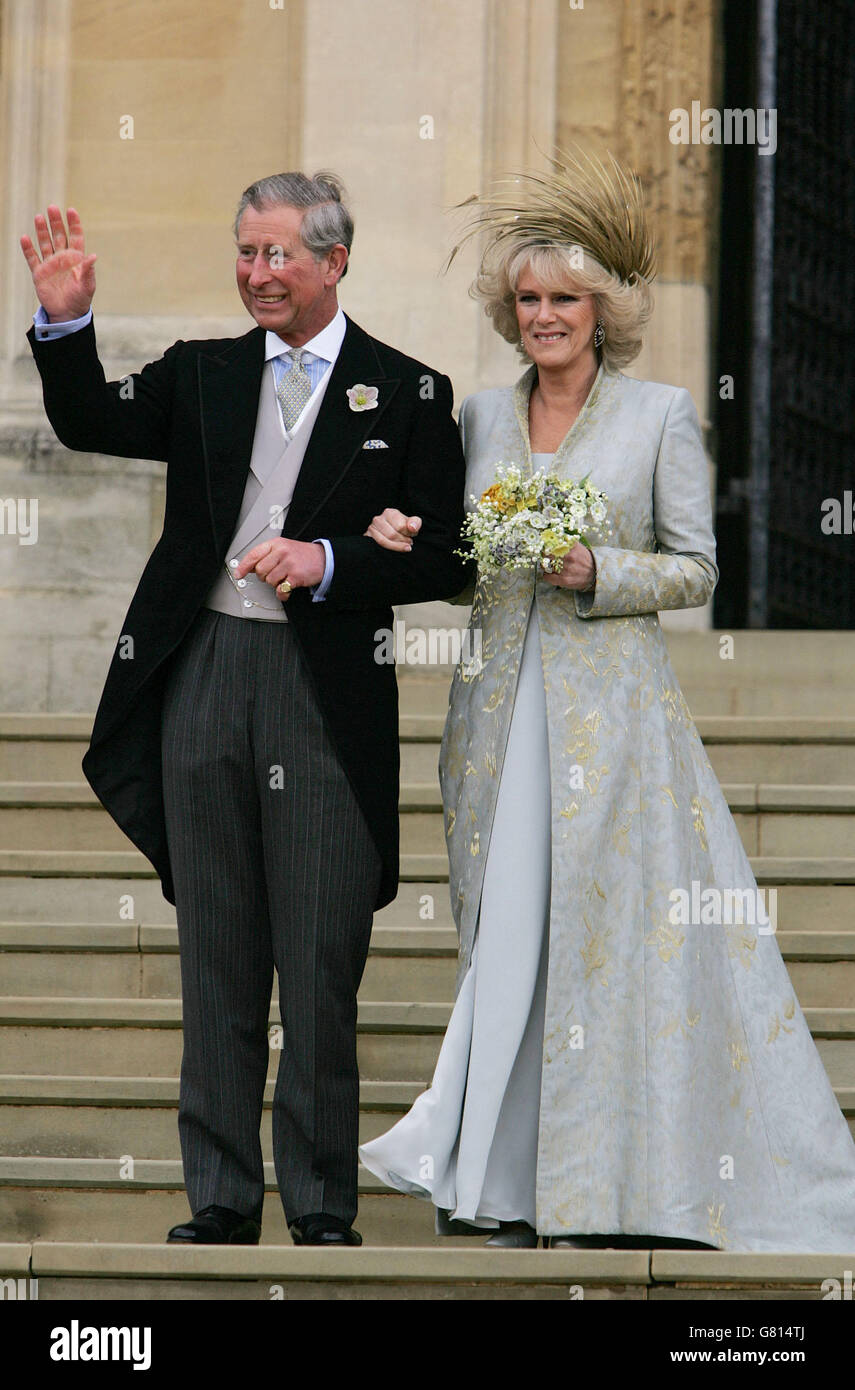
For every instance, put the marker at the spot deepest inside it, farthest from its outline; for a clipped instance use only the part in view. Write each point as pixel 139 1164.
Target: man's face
pixel 282 285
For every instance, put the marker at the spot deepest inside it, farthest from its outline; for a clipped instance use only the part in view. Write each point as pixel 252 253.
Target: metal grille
pixel 811 575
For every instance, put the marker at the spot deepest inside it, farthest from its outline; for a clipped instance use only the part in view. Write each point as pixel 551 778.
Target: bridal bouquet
pixel 536 520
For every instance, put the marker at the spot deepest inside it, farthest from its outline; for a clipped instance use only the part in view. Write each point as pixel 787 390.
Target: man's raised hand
pixel 63 274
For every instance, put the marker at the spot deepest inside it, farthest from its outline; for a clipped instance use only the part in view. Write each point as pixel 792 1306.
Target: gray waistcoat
pixel 273 471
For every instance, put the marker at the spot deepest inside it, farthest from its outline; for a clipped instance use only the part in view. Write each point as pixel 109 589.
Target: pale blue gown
pixel 677 1093
pixel 469 1143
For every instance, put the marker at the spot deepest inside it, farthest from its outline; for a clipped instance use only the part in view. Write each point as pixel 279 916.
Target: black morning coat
pixel 196 408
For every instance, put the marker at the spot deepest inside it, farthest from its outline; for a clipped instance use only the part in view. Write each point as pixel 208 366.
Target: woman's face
pixel 556 326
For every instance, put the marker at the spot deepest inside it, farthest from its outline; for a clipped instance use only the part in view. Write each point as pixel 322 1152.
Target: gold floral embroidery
pixel 641 699
pixel 567 1215
pixel 717 1230
pixel 565 1035
pixel 667 939
pixel 738 1056
pixel 776 1025
pixel 674 704
pixel 741 947
pixel 594 952
pixel 676 1025
pixel 622 828
pixel 585 743
pixel 570 693
pixel 698 822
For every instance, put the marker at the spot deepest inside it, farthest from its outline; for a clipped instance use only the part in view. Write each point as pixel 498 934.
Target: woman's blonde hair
pixel 624 308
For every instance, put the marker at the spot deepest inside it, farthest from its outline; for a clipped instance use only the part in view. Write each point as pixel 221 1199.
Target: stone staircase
pixel 90 1019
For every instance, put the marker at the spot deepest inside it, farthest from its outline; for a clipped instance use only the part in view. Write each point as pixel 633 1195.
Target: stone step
pixel 82 898
pixel 96 1111
pixel 106 1116
pixel 142 1037
pixel 377 1016
pixel 75 794
pixel 428 868
pixel 61 1212
pixel 409 963
pixel 777 762
pixel 68 1270
pixel 75 1270
pixel 714 729
pixel 747 797
pixel 822 898
pixel 807 761
pixel 423 710
pixel 57 1199
pixel 103 1116
pixel 124 961
pixel 776 748
pixel 92 1037
pixel 773 672
pixel 772 820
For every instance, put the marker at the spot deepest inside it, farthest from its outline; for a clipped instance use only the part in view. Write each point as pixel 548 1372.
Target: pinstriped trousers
pixel 274 865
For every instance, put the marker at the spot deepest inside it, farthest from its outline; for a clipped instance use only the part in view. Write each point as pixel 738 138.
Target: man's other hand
pixel 301 563
pixel 63 274
pixel 393 530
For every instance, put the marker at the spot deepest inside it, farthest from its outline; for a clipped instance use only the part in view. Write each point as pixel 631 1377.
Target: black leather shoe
pixel 216 1226
pixel 320 1228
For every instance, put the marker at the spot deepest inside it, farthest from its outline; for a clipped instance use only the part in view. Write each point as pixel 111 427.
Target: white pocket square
pixel 375 444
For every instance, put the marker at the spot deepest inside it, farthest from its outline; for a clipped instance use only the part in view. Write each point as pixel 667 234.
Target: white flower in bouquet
pixel 520 522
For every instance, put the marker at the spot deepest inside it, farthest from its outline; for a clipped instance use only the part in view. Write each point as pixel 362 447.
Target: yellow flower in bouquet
pixel 522 522
pixel 496 496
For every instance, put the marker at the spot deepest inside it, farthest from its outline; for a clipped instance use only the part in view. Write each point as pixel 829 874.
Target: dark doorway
pixel 785 442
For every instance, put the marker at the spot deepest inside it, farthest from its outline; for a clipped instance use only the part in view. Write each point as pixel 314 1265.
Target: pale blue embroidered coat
pixel 682 1093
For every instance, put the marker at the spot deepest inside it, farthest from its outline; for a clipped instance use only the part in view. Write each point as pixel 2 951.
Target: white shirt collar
pixel 326 344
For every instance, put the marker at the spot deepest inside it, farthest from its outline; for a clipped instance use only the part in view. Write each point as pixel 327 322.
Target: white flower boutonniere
pixel 362 397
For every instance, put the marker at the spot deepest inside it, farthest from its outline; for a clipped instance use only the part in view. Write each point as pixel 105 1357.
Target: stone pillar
pixel 519 126
pixel 623 67
pixel 214 90
pixel 34 50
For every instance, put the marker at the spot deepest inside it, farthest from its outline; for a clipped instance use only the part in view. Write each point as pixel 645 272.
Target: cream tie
pixel 294 389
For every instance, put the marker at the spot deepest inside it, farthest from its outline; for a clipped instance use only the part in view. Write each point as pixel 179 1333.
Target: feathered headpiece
pixel 583 202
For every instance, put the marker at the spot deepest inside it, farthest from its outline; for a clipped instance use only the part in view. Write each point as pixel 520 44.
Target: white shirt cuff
pixel 46 330
pixel 319 591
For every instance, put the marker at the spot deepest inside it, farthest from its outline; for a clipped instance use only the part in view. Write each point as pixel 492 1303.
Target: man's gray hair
pixel 327 221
